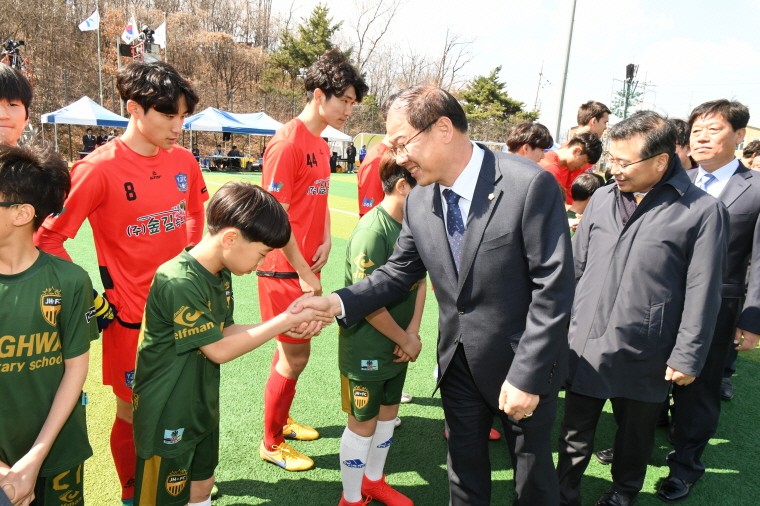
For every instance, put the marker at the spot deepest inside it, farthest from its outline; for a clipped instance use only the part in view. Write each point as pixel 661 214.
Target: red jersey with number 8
pixel 137 207
pixel 297 172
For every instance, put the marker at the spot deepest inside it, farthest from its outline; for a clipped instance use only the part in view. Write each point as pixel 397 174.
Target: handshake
pixel 308 315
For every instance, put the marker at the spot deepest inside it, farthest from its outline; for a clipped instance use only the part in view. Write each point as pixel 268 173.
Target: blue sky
pixel 688 51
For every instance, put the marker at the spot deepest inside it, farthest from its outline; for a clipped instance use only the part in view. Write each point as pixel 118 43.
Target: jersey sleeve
pixel 193 323
pixel 281 162
pixel 366 252
pixel 197 193
pixel 78 322
pixel 87 190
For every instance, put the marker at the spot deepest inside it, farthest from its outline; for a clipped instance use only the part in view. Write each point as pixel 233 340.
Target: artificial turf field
pixel 417 462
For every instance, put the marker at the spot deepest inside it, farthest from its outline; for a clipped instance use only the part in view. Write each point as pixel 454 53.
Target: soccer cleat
pixel 396 422
pixel 381 491
pixel 406 398
pixel 361 502
pixel 214 492
pixel 294 430
pixel 286 457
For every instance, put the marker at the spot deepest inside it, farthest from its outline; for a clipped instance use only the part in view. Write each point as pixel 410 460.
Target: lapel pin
pixel 490 196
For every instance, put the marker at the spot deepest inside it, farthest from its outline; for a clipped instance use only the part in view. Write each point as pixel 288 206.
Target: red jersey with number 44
pixel 137 207
pixel 297 172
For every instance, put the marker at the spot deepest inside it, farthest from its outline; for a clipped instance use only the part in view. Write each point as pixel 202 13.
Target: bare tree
pixel 457 52
pixel 371 23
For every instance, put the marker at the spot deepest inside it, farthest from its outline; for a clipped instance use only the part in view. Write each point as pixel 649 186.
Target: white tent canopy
pixel 85 111
pixel 334 135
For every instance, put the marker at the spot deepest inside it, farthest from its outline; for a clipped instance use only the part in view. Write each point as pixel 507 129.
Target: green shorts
pixel 66 488
pixel 165 481
pixel 364 398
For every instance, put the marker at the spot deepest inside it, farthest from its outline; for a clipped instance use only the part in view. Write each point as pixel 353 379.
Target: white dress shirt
pixel 464 186
pixel 722 176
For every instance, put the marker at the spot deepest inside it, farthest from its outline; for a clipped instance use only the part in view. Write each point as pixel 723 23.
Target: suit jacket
pixel 510 303
pixel 741 196
pixel 648 292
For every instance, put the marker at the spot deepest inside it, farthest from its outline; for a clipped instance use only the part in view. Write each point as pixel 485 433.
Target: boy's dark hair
pixel 34 174
pixel 333 74
pixel 751 149
pixel 659 133
pixel 14 86
pixel 683 132
pixel 426 104
pixel 734 112
pixel 88 130
pixel 534 135
pixel 585 185
pixel 155 85
pixel 590 145
pixel 391 173
pixel 250 209
pixel 591 110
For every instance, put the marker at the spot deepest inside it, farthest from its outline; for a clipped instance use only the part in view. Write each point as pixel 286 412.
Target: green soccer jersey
pixel 176 389
pixel 46 317
pixel 365 353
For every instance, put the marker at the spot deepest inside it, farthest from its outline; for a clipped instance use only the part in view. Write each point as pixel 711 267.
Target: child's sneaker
pixel 286 457
pixel 294 430
pixel 381 491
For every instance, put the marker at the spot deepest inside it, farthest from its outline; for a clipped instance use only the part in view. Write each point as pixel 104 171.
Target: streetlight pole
pixel 564 73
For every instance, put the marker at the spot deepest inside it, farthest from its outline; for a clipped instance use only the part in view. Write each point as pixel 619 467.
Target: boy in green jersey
pixel 374 353
pixel 46 324
pixel 187 331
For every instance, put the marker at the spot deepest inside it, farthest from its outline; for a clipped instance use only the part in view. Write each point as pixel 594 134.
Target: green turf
pixel 416 465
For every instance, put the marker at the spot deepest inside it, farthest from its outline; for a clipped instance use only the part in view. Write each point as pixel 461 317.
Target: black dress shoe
pixel 726 389
pixel 613 498
pixel 674 490
pixel 605 456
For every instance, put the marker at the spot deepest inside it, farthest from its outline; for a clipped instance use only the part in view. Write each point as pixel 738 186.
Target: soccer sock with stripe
pixel 378 452
pixel 123 452
pixel 353 459
pixel 278 397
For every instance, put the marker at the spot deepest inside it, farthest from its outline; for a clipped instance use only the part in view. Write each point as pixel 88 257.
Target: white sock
pixel 353 459
pixel 378 452
pixel 207 502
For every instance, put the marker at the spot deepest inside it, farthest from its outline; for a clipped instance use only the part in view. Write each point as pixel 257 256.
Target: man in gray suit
pixel 716 128
pixel 491 230
pixel 648 255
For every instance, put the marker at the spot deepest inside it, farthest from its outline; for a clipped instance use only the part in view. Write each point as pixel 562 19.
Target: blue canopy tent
pixel 215 120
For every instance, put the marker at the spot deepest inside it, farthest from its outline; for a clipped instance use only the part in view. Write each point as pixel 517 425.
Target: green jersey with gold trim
pixel 46 317
pixel 364 352
pixel 176 389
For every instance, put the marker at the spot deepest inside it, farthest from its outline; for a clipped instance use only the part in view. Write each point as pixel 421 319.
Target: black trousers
pixel 634 442
pixel 469 417
pixel 696 407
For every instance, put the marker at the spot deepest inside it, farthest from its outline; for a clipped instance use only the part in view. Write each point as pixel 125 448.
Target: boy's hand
pixel 413 346
pixel 329 304
pixel 310 284
pixel 320 257
pixel 18 483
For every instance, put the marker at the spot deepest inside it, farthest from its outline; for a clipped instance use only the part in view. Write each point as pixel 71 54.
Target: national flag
pixel 159 35
pixel 130 31
pixel 90 23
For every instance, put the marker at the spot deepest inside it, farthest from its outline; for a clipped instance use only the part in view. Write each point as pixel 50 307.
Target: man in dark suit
pixel 648 255
pixel 716 128
pixel 491 230
pixel 89 142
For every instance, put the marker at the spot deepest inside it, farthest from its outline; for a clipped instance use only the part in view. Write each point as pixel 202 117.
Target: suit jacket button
pixel 461 310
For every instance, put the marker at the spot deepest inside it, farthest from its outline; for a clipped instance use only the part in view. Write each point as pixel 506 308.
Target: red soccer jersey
pixel 297 172
pixel 137 207
pixel 564 177
pixel 370 187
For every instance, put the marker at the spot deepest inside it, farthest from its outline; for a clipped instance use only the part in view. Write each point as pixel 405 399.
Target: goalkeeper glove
pixel 104 311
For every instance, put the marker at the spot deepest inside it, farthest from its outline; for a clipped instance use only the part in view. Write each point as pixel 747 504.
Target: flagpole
pixel 118 65
pixel 166 51
pixel 100 62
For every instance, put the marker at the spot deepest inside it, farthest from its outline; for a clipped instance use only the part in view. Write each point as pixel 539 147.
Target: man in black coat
pixel 491 230
pixel 89 142
pixel 716 128
pixel 351 158
pixel 646 302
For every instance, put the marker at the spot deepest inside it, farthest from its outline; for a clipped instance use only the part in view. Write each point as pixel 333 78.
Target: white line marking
pixel 331 209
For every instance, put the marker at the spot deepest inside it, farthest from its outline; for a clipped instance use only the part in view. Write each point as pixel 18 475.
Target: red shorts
pixel 119 355
pixel 275 295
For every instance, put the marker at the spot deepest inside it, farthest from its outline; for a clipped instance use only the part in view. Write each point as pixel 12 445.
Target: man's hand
pixel 745 340
pixel 678 377
pixel 311 283
pixel 515 402
pixel 329 304
pixel 320 257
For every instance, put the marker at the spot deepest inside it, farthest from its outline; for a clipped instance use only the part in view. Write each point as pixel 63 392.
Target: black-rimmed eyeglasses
pixel 400 150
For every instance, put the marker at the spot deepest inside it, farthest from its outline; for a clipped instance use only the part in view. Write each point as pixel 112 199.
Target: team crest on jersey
pixel 368 202
pixel 173 436
pixel 274 187
pixel 129 378
pixel 181 180
pixel 50 304
pixel 369 365
pixel 176 481
pixel 361 396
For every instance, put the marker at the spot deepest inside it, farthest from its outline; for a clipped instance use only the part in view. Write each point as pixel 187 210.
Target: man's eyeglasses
pixel 10 204
pixel 612 161
pixel 400 150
